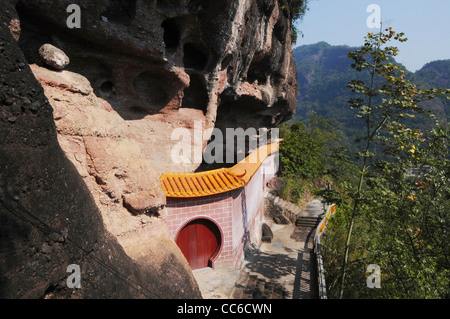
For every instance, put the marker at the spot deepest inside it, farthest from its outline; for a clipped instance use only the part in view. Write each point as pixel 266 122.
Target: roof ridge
pixel 216 181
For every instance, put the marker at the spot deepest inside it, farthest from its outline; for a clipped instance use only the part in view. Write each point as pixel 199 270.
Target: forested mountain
pixel 324 71
pixel 380 163
pixel 435 74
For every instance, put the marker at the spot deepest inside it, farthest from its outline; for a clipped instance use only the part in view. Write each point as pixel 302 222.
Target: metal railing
pixel 330 211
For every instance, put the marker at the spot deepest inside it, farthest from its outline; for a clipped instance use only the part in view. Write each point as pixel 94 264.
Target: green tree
pixel 377 204
pixel 409 214
pixel 298 9
pixel 300 153
pixel 304 155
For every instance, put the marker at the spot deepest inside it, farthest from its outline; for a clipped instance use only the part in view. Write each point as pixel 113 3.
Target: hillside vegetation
pixel 373 138
pixel 324 71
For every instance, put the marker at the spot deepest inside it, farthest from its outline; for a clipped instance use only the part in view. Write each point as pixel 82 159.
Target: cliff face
pixel 48 218
pixel 138 70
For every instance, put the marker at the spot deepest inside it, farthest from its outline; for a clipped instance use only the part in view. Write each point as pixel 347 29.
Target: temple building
pixel 214 215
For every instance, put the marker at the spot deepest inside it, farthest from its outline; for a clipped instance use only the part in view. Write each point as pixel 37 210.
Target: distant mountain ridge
pixel 323 71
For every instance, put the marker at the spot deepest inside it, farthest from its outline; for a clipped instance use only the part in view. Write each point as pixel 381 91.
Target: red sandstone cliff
pixel 138 70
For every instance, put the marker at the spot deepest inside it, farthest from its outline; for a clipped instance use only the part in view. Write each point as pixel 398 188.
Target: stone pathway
pixel 286 267
pixel 282 269
pixel 216 283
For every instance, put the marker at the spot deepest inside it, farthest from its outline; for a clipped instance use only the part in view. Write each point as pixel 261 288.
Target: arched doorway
pixel 200 241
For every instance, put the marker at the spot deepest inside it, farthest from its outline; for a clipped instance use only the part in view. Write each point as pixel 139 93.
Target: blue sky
pixel 426 24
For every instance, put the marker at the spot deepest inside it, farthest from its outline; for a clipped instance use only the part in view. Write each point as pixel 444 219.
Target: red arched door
pixel 199 241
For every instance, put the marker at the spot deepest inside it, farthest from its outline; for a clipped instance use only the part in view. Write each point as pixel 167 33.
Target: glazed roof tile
pixel 216 181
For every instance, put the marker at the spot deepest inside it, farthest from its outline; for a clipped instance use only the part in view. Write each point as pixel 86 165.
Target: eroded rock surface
pixel 49 219
pixel 228 63
pixel 139 70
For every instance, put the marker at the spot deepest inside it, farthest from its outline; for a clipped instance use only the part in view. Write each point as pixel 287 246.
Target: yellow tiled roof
pixel 199 184
pixel 215 181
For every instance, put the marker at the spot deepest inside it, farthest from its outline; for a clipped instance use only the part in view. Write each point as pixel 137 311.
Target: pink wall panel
pixel 238 214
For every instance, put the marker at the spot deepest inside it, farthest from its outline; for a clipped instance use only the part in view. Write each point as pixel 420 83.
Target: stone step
pixel 258 290
pixel 306 224
pixel 240 285
pixel 307 221
pixel 251 286
pixel 249 289
pixel 314 212
pixel 278 292
pixel 268 290
pixel 308 218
